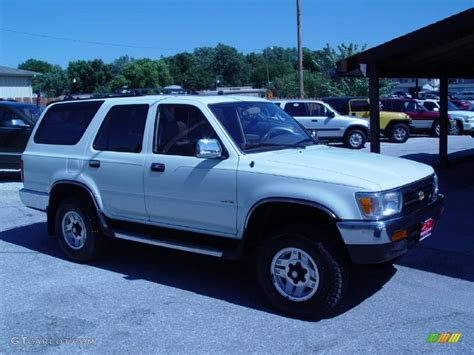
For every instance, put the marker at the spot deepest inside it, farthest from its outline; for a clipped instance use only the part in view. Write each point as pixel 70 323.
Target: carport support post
pixel 443 122
pixel 374 109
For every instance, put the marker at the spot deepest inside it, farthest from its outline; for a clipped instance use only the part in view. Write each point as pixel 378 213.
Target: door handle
pixel 159 167
pixel 94 163
pixel 314 120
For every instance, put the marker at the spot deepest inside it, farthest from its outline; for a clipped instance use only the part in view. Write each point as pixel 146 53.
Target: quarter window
pixel 65 124
pixel 179 129
pixel 122 129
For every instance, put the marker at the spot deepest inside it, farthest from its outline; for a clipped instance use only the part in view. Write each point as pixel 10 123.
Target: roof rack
pixel 127 93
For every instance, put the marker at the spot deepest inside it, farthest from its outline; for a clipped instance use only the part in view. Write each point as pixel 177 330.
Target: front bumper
pixel 368 242
pixel 468 127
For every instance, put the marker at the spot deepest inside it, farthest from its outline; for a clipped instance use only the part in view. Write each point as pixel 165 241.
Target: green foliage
pixel 88 75
pixel 52 84
pixel 274 67
pixel 147 73
pixel 39 66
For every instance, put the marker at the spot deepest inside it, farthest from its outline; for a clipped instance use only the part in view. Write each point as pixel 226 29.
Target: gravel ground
pixel 146 299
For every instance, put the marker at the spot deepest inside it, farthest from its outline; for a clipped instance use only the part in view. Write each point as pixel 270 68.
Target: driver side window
pixel 179 129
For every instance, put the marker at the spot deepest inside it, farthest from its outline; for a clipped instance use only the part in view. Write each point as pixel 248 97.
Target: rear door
pixel 116 161
pixel 299 111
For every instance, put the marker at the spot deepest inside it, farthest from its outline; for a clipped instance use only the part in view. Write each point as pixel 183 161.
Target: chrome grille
pixel 417 195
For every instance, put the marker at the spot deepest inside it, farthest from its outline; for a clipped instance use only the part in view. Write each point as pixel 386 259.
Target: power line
pixel 89 42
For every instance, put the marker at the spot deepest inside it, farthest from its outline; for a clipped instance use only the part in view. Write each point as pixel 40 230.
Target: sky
pixel 62 31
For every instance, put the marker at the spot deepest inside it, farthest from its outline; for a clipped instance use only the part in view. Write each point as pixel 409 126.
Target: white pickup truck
pixel 229 177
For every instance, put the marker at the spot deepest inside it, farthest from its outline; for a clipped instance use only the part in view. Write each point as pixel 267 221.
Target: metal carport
pixel 443 50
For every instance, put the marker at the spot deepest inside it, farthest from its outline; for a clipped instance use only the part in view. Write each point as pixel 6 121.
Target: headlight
pixel 377 205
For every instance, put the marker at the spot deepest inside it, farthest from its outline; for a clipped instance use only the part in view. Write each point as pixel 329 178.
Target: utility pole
pixel 300 51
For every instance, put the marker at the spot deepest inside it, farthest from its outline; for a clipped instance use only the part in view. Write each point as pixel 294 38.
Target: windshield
pixel 256 126
pixel 452 107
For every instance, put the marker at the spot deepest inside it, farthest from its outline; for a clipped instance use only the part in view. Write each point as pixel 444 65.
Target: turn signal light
pixel 366 203
pixel 399 235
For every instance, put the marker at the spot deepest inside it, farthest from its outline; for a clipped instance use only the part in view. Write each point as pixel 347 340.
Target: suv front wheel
pixel 355 139
pixel 298 275
pixel 78 232
pixel 399 133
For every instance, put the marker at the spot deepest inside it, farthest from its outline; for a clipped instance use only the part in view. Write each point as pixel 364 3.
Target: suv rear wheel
pixel 355 139
pixel 299 275
pixel 399 133
pixel 78 232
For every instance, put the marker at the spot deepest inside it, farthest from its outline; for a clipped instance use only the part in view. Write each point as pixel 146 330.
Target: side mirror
pixel 436 109
pixel 331 114
pixel 208 149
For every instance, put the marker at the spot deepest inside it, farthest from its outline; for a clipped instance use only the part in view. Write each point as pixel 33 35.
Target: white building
pixel 409 85
pixel 15 83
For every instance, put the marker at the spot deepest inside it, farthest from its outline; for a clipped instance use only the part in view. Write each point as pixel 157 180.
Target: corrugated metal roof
pixel 16 72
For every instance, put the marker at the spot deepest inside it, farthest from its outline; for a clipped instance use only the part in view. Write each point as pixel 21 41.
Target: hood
pixel 461 114
pixel 372 172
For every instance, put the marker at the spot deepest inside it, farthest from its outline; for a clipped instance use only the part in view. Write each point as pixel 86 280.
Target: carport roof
pixel 442 49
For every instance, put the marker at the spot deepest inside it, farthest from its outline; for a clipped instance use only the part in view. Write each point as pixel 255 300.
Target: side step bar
pixel 194 248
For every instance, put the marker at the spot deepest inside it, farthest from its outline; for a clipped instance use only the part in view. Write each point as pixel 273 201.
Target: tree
pixel 53 83
pixel 228 64
pixel 147 73
pixel 39 66
pixel 89 76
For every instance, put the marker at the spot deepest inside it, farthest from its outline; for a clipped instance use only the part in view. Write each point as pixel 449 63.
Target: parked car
pixel 394 125
pixel 16 121
pixel 461 104
pixel 464 119
pixel 423 121
pixel 321 119
pixel 232 177
pixel 465 95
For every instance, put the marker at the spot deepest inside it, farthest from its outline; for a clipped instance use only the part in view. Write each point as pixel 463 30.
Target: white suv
pixel 464 119
pixel 228 177
pixel 327 123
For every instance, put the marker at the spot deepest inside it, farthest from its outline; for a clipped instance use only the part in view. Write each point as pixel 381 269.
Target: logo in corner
pixel 443 338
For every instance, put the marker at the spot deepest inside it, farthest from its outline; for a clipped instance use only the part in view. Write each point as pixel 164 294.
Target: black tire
pixel 455 128
pixel 399 133
pixel 355 139
pixel 435 129
pixel 329 265
pixel 92 246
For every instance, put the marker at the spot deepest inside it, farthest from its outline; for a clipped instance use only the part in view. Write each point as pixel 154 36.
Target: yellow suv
pixel 394 125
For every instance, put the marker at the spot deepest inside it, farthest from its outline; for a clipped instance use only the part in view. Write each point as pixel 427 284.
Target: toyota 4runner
pixel 229 177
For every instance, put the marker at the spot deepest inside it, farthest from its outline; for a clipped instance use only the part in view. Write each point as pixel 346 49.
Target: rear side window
pixel 122 129
pixel 360 105
pixel 64 124
pixel 295 109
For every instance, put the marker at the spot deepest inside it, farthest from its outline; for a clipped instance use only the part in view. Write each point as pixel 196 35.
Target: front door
pixel 183 191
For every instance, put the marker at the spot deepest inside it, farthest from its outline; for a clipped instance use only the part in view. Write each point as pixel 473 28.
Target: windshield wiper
pixel 298 145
